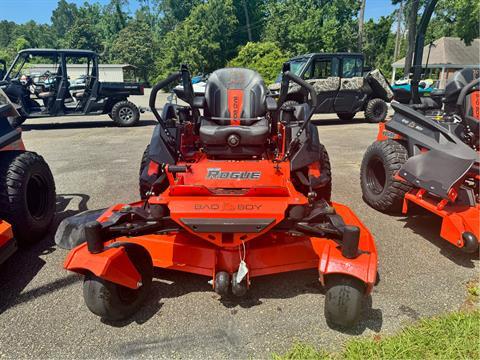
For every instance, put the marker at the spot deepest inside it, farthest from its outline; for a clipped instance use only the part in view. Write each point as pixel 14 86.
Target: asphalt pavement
pixel 95 164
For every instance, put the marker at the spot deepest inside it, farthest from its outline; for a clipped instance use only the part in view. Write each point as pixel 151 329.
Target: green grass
pixel 453 336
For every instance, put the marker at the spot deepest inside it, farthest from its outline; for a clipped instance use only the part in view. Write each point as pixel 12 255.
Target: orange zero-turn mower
pixel 431 161
pixel 27 189
pixel 233 186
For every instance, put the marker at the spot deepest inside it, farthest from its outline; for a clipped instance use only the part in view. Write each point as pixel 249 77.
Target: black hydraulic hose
pixel 159 86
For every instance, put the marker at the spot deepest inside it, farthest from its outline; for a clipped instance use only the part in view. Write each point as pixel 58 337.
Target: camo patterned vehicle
pixel 342 85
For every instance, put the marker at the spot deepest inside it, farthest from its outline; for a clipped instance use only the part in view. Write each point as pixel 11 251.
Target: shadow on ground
pixel 18 271
pixel 173 284
pixel 427 225
pixel 78 125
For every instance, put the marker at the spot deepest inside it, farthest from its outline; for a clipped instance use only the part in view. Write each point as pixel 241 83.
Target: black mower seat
pixel 234 123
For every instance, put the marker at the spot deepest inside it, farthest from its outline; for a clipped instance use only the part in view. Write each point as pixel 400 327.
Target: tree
pixel 203 40
pixel 174 12
pixel 312 25
pixel 134 45
pixel 265 57
pixel 63 18
pixel 379 43
pixel 411 8
pixel 361 17
pixel 82 35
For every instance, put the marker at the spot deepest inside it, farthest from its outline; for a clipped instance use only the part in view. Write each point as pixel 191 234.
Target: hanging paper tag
pixel 242 271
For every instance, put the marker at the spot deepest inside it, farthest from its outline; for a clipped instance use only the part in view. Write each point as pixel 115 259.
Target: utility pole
pixel 361 17
pixel 247 20
pixel 399 32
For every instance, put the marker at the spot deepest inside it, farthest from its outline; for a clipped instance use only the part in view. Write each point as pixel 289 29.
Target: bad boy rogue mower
pixel 238 192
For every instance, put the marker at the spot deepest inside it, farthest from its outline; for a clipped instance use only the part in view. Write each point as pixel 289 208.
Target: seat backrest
pixel 235 96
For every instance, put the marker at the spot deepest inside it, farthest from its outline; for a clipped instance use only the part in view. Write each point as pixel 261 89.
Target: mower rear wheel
pixel 27 194
pixel 343 300
pixel 125 113
pixel 346 116
pixel 115 302
pixel 376 110
pixel 380 164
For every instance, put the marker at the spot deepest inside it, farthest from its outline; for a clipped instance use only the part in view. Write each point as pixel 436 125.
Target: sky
pixel 21 11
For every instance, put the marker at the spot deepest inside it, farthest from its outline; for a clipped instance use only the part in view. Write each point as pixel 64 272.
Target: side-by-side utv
pixel 52 93
pixel 342 85
pixel 237 192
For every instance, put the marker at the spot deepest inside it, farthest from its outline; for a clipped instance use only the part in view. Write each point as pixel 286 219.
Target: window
pixel 323 68
pixel 352 67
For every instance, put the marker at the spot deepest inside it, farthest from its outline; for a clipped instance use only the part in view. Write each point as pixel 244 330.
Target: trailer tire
pixel 376 110
pixel 343 300
pixel 27 194
pixel 125 113
pixel 380 164
pixel 115 302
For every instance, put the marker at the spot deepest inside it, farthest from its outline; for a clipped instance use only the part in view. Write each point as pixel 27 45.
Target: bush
pixel 264 57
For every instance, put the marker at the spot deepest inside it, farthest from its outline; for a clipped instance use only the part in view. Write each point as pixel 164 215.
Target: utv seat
pixel 234 123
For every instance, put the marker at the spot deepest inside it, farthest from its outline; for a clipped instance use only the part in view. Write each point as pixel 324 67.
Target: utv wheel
pixel 289 103
pixel 27 194
pixel 376 110
pixel 115 302
pixel 343 301
pixel 346 116
pixel 380 164
pixel 125 113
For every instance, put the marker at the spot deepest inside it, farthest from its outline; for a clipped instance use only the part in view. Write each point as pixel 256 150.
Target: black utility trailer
pixel 52 93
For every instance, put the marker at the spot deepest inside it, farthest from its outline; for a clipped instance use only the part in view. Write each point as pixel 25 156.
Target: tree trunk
pixel 399 32
pixel 412 26
pixel 247 20
pixel 361 17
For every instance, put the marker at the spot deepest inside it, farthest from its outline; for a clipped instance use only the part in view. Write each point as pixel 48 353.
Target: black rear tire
pixel 343 300
pixel 376 110
pixel 27 194
pixel 142 186
pixel 346 116
pixel 125 113
pixel 115 302
pixel 380 164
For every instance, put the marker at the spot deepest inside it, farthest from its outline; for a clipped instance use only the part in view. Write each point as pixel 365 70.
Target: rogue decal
pixel 217 173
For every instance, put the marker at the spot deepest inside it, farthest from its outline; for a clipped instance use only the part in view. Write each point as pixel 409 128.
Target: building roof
pixel 449 52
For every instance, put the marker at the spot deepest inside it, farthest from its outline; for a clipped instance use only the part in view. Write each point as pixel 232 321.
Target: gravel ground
pixel 95 164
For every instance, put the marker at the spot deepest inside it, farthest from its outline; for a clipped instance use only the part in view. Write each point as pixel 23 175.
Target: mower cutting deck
pixel 241 191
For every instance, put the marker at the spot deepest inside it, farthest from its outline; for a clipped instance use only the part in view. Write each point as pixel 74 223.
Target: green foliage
pixel 302 26
pixel 207 34
pixel 379 44
pixel 203 40
pixel 82 35
pixel 136 46
pixel 452 336
pixel 264 57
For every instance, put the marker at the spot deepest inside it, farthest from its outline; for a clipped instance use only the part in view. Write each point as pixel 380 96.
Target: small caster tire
pixel 239 289
pixel 222 283
pixel 115 302
pixel 343 301
pixel 470 243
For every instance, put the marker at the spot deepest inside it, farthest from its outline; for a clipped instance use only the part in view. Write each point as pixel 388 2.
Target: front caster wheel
pixel 343 301
pixel 239 288
pixel 222 283
pixel 115 302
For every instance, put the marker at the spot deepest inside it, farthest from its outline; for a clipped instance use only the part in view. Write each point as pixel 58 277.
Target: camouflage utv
pixel 342 85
